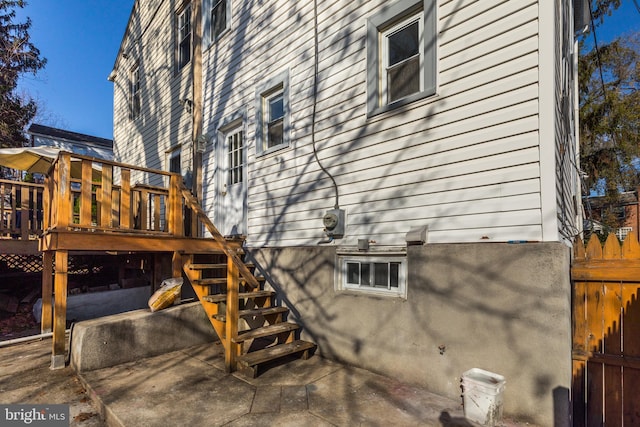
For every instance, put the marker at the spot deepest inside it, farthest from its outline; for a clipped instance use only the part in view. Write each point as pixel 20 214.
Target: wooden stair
pixel 252 330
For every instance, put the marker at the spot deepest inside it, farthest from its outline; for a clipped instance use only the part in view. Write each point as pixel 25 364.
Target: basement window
pixel 379 274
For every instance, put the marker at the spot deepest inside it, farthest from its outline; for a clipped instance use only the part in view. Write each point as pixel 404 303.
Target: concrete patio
pixel 190 387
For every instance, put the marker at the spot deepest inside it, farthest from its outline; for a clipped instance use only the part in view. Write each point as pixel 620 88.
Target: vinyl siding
pixel 465 162
pixel 163 123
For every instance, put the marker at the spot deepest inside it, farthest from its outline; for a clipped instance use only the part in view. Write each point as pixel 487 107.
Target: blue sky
pixel 80 39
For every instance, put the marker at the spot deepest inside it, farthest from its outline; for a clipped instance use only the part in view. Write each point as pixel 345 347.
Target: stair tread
pixel 275 352
pixel 210 281
pixel 242 295
pixel 205 266
pixel 265 331
pixel 263 311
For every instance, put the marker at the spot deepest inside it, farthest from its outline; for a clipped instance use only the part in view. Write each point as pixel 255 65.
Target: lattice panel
pixel 20 263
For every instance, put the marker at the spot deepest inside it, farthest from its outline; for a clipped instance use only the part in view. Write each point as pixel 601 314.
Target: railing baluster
pixel 85 194
pixel 63 196
pixel 106 199
pixel 24 213
pixel 125 199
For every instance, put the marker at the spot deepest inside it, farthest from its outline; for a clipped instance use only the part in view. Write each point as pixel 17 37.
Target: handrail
pixel 85 192
pixel 21 207
pixel 112 163
pixel 193 203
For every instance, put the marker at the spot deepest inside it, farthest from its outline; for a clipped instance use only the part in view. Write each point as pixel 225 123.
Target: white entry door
pixel 231 182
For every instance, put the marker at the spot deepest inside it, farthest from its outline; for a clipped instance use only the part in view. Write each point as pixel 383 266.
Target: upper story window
pixel 402 60
pixel 401 54
pixel 134 93
pixel 274 118
pixel 219 18
pixel 184 37
pixel 272 114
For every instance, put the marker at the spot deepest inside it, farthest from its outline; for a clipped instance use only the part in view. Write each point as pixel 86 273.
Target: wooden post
pixel 197 119
pixel 144 209
pixel 107 191
pixel 60 310
pixel 24 213
pixel 47 292
pixel 175 206
pixel 176 265
pixel 63 197
pixel 85 194
pixel 125 199
pixel 232 350
pixel 46 203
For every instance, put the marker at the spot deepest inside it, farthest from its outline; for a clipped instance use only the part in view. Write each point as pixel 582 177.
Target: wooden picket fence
pixel 606 332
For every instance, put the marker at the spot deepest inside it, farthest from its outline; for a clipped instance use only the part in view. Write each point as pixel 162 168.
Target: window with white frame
pixel 379 274
pixel 401 54
pixel 235 157
pixel 402 59
pixel 272 114
pixel 184 37
pixel 622 232
pixel 134 93
pixel 219 18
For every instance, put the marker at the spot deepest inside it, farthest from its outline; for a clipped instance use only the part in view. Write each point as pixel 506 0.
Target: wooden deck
pixel 21 217
pixel 91 206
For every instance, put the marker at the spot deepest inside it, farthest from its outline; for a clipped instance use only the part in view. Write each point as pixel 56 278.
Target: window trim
pixel 212 4
pixel 180 38
pixel 173 153
pixel 135 93
pixel 369 258
pixel 266 90
pixel 380 22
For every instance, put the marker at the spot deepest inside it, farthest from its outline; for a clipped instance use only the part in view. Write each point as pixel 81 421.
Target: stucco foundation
pixel 505 308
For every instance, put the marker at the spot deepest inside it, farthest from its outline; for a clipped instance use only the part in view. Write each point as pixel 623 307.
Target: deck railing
pixel 21 210
pixel 90 194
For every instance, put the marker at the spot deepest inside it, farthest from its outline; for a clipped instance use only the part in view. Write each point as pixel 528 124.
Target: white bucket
pixel 482 392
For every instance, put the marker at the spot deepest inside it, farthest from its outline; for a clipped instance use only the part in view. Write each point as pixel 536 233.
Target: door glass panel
pixel 236 156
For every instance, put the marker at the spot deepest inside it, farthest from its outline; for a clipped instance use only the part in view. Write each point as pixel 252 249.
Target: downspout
pixel 197 120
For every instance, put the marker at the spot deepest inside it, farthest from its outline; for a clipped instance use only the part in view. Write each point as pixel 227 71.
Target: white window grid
pixel 184 37
pixel 394 286
pixel 384 64
pixel 622 232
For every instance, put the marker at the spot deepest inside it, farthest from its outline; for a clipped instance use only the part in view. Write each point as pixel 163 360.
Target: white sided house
pixel 405 172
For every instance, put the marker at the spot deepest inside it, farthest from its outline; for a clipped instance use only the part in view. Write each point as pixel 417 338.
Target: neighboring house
pixel 405 172
pixel 72 142
pixel 624 212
